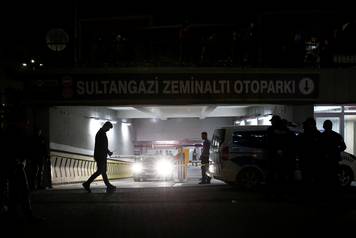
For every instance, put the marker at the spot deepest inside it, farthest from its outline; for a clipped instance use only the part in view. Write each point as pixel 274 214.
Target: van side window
pixel 256 139
pixel 218 139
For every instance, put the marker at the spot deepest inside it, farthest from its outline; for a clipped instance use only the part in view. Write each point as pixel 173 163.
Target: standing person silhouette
pixel 100 156
pixel 333 144
pixel 38 159
pixel 204 158
pixel 15 154
pixel 309 154
pixel 194 157
pixel 281 160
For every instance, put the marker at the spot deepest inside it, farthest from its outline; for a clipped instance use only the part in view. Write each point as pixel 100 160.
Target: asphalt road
pixel 169 209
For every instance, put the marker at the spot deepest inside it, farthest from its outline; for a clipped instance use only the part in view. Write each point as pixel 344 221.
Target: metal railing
pixel 70 168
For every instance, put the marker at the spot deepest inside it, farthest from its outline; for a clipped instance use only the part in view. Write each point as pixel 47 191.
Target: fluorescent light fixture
pixel 124 122
pixel 103 120
pixel 327 109
pixel 123 108
pixel 231 107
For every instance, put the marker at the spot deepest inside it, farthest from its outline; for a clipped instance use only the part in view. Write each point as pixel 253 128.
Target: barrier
pixel 182 172
pixel 70 168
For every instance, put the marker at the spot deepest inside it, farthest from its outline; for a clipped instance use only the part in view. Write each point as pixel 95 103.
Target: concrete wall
pixel 177 129
pixel 72 130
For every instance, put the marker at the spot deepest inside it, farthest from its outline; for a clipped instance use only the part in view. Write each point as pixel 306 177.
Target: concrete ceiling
pixel 189 111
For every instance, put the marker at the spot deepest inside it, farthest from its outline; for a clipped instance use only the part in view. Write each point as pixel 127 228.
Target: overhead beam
pixel 155 114
pixel 206 111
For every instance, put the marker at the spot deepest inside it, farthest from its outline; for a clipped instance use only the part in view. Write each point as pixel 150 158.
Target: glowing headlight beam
pixel 164 167
pixel 137 168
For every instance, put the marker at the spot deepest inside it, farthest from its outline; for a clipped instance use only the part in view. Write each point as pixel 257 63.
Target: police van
pixel 238 156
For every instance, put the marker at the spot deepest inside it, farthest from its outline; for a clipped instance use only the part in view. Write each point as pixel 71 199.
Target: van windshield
pixel 256 139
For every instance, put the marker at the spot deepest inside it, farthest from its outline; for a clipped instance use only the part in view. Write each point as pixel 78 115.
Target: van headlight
pixel 164 167
pixel 137 168
pixel 211 168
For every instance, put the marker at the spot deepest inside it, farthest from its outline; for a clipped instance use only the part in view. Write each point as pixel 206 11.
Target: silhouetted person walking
pixel 332 145
pixel 204 158
pixel 100 156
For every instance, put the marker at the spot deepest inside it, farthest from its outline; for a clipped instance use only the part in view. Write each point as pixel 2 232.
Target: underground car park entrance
pixel 161 112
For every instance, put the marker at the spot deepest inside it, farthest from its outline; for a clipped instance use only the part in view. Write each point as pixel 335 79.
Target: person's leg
pixel 39 176
pixel 13 193
pixel 3 191
pixel 103 169
pixel 203 174
pixel 31 169
pixel 103 166
pixel 87 183
pixel 47 175
pixel 95 174
pixel 20 193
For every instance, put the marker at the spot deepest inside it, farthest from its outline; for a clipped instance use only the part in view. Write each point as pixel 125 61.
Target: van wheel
pixel 345 176
pixel 249 178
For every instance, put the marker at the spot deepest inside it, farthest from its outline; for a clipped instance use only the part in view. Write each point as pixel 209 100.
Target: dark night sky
pixel 42 12
pixel 28 17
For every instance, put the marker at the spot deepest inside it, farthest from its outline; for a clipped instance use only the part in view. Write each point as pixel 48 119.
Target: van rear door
pixel 215 147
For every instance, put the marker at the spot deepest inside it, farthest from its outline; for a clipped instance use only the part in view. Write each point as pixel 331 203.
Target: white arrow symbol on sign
pixel 306 86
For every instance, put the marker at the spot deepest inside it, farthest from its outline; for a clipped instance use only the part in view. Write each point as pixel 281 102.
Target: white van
pixel 238 156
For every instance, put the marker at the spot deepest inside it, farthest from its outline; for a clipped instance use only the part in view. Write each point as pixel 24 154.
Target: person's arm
pixel 342 145
pixel 108 152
